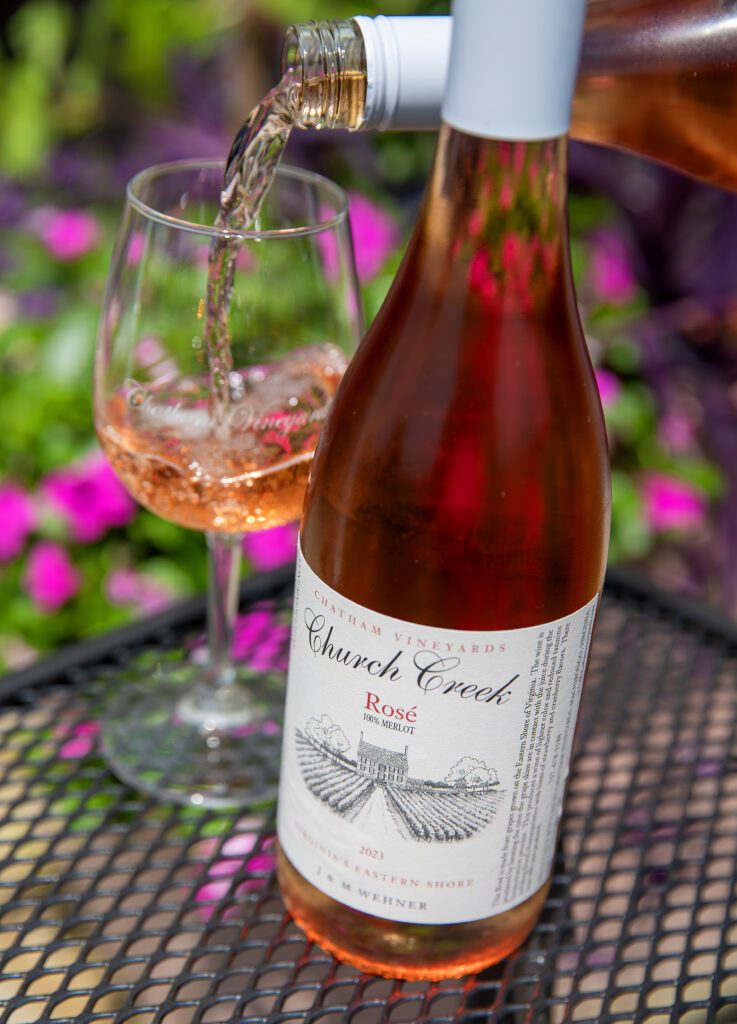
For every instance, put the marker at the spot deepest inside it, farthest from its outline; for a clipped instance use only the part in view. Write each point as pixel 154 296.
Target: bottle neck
pixel 494 219
pixel 326 60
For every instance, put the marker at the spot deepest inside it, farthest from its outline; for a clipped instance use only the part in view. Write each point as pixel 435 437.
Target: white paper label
pixel 423 768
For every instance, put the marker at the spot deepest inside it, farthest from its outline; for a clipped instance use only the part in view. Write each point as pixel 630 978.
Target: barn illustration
pixel 376 789
pixel 382 764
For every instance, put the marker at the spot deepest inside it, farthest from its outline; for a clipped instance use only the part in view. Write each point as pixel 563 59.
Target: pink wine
pixel 453 547
pixel 462 483
pixel 170 456
pixel 659 78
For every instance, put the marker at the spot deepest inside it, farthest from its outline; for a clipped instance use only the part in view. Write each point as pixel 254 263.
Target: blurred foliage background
pixel 94 90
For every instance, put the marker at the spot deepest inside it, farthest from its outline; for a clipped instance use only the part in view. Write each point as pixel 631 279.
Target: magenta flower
pixel 268 549
pixel 81 742
pixel 610 269
pixel 50 578
pixel 70 234
pixel 260 640
pixel 149 351
pixel 18 518
pixel 610 386
pixel 90 497
pixel 672 503
pixel 481 278
pixel 375 236
pixel 235 860
pixel 146 594
pixel 136 248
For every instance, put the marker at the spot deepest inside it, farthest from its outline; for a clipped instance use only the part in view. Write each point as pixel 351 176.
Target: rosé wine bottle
pixel 657 77
pixel 453 545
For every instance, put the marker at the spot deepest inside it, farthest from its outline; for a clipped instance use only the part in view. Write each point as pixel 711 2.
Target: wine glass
pixel 222 459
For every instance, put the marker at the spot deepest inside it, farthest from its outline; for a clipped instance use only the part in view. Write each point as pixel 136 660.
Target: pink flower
pixel 280 440
pixel 149 351
pixel 90 497
pixel 18 517
pixel 50 578
pixel 481 278
pixel 610 386
pixel 136 248
pixel 82 741
pixel 506 196
pixel 260 640
pixel 258 866
pixel 475 223
pixel 69 234
pixel 146 594
pixel 513 251
pixel 672 504
pixel 268 549
pixel 375 235
pixel 610 269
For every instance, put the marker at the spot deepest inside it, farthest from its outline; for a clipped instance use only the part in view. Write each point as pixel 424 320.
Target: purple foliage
pixel 12 203
pixel 39 303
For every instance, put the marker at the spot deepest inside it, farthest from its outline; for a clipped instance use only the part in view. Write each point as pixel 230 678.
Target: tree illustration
pixel 325 733
pixel 469 771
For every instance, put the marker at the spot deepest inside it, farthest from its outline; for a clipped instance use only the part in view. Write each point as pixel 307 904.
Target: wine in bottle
pixel 453 545
pixel 657 78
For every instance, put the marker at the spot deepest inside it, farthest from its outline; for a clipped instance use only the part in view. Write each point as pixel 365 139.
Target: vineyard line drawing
pixel 376 786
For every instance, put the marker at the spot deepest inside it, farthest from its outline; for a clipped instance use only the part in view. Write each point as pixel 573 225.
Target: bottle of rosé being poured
pixel 453 545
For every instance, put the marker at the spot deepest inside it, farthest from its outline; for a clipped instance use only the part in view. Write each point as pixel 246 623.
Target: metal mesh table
pixel 115 908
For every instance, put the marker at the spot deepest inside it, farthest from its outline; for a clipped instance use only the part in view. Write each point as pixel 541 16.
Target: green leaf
pixel 623 355
pixel 39 31
pixel 634 414
pixel 586 212
pixel 25 128
pixel 631 536
pixel 70 346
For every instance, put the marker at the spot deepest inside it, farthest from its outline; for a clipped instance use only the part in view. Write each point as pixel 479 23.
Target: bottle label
pixel 424 768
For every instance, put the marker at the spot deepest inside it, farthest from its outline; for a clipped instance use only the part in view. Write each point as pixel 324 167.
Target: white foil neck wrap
pixel 513 67
pixel 406 64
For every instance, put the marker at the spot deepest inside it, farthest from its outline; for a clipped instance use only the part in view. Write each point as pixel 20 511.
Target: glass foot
pixel 171 737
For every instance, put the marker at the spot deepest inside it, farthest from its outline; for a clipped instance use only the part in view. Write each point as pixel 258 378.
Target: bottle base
pixel 408 952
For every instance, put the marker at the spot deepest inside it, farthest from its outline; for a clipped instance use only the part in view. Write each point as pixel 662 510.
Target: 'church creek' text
pixel 432 671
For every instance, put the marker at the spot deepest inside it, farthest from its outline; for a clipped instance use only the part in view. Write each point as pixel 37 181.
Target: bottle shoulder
pixel 445 359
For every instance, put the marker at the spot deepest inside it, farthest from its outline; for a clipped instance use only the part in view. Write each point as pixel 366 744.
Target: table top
pixel 116 908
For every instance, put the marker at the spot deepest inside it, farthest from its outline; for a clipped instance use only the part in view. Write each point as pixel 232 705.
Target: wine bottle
pixel 453 545
pixel 657 78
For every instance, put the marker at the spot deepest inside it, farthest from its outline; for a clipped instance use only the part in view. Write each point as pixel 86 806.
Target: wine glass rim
pixel 337 193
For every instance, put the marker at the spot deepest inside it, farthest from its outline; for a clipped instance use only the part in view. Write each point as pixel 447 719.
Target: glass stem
pixel 222 604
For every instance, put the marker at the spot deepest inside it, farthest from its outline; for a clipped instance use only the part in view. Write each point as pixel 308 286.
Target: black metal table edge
pixel 628 584
pixel 623 582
